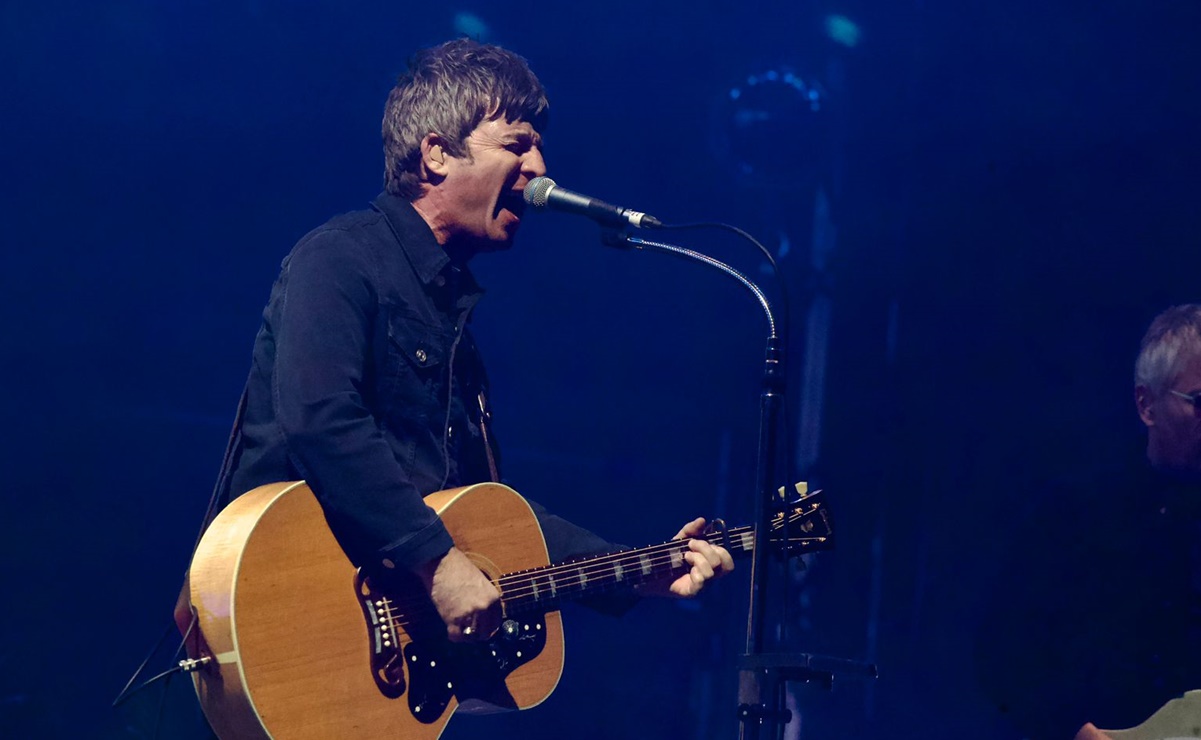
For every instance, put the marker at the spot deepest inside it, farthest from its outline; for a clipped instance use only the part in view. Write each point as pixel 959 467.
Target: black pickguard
pixel 439 669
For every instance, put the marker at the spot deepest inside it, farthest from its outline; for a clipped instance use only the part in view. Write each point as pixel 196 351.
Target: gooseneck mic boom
pixel 543 192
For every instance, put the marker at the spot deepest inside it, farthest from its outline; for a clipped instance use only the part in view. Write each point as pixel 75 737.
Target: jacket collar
pixel 429 260
pixel 415 236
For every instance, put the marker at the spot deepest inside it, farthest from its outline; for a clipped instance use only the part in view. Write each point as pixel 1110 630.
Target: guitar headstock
pixel 805 524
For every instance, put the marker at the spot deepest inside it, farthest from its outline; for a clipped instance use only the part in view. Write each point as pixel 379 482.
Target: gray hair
pixel 449 90
pixel 1160 355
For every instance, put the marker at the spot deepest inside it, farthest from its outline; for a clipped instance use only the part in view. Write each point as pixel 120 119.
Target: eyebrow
pixel 523 137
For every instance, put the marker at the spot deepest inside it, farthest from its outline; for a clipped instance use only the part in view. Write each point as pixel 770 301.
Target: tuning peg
pixel 801 488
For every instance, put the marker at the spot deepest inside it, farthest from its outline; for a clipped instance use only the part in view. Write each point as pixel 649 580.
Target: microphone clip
pixel 612 236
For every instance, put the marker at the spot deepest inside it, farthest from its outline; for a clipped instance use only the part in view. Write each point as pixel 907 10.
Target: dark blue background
pixel 1014 183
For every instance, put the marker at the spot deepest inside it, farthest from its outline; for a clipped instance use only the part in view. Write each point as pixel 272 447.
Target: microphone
pixel 543 192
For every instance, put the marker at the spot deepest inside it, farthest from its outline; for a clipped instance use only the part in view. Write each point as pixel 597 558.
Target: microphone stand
pixel 761 675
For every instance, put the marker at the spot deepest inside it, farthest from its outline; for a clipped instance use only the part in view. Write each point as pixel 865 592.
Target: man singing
pixel 366 381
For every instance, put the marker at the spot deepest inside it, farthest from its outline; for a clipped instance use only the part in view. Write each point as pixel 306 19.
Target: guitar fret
pixel 568 581
pixel 748 541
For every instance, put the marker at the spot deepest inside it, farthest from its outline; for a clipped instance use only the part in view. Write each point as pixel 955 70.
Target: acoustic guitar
pixel 293 642
pixel 1179 719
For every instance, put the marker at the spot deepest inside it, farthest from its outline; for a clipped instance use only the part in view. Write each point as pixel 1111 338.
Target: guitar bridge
pixel 383 637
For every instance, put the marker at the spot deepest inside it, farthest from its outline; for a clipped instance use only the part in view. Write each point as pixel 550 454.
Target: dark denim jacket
pixel 350 383
pixel 366 383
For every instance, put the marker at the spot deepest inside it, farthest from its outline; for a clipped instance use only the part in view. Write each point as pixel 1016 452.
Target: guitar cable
pixel 187 665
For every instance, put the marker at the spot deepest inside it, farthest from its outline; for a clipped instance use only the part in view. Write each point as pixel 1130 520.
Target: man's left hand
pixel 708 561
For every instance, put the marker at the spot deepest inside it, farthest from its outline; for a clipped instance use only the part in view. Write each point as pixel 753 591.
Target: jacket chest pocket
pixel 417 360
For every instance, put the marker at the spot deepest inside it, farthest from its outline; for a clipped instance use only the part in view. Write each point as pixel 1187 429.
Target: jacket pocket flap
pixel 424 345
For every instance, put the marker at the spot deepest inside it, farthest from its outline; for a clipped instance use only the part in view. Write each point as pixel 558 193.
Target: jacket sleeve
pixel 567 541
pixel 323 327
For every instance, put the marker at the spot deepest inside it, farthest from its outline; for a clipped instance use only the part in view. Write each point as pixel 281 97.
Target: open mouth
pixel 512 201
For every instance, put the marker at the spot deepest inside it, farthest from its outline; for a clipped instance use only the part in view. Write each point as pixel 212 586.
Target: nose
pixel 533 165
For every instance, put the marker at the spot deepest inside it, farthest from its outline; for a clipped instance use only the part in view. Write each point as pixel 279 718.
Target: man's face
pixel 1174 423
pixel 484 190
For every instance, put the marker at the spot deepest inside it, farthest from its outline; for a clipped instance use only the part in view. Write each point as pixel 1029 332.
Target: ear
pixel 1144 401
pixel 433 155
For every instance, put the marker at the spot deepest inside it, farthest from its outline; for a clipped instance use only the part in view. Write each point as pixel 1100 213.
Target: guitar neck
pixel 543 589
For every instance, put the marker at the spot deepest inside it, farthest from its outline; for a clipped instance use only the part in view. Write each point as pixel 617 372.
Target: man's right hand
pixel 465 599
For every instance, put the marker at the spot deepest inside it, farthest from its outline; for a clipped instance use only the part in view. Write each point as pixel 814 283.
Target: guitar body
pixel 302 647
pixel 291 641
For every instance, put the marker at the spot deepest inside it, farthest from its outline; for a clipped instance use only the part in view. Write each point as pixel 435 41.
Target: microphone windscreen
pixel 537 190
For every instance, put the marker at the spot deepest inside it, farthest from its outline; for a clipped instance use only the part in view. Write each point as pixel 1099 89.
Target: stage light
pixel 770 128
pixel 843 30
pixel 471 25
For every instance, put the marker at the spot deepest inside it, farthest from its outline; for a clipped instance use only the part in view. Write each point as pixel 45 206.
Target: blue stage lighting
pixel 770 129
pixel 471 25
pixel 843 30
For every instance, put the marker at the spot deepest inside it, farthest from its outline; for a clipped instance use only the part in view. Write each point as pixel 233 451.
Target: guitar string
pixel 412 612
pixel 521 586
pixel 518 586
pixel 594 570
pixel 623 556
pixel 571 589
pixel 662 556
pixel 627 556
pixel 638 560
pixel 712 537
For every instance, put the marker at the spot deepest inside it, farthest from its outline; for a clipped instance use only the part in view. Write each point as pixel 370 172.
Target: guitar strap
pixel 184 614
pixel 220 495
pixel 485 418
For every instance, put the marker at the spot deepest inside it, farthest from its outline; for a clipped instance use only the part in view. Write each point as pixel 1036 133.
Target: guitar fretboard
pixel 543 589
